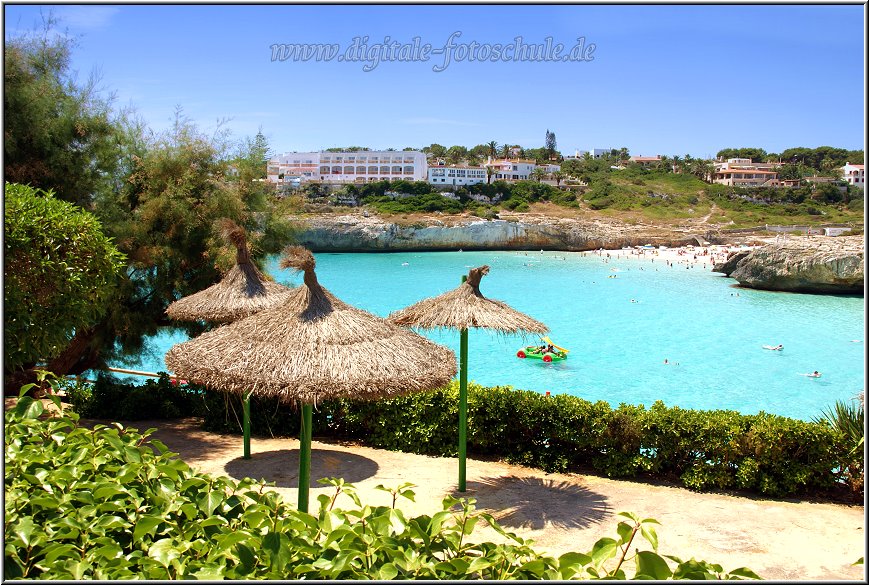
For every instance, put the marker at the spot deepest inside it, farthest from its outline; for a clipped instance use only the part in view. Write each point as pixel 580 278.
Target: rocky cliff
pixel 360 233
pixel 798 264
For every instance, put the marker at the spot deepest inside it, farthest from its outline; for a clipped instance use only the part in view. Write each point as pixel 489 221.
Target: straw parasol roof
pixel 242 292
pixel 314 346
pixel 465 307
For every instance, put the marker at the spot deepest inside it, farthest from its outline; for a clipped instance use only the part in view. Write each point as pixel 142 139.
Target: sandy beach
pixel 561 512
pixel 704 257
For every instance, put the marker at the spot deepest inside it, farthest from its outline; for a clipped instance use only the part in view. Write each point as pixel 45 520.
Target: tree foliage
pixel 164 218
pixel 551 145
pixel 60 270
pixel 58 133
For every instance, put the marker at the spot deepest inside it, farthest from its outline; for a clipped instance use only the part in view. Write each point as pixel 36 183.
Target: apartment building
pixel 742 172
pixel 456 175
pixel 347 167
pixel 854 174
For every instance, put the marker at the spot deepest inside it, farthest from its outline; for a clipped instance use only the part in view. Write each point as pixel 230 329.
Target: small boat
pixel 539 352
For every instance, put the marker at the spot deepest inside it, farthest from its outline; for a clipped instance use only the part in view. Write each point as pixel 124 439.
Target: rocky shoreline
pixel 817 265
pixel 826 265
pixel 360 233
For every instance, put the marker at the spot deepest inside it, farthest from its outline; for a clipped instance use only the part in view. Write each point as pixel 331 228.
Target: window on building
pixel 324 170
pixel 348 170
pixel 360 170
pixel 408 170
pixel 396 170
pixel 336 170
pixel 384 170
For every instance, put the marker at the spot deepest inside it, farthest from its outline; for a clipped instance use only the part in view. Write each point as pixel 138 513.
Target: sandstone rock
pixel 812 265
pixel 329 233
pixel 729 265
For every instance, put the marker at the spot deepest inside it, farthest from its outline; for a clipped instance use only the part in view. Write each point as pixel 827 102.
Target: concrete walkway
pixel 781 540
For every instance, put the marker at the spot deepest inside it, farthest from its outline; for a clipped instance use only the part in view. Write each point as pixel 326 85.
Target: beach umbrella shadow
pixel 534 502
pixel 281 467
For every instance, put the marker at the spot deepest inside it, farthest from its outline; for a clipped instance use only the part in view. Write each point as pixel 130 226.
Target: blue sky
pixel 667 79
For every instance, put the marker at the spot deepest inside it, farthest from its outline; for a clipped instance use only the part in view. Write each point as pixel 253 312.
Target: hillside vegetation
pixel 633 194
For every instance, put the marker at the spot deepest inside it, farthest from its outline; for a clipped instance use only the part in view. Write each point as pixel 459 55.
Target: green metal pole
pixel 463 406
pixel 305 457
pixel 245 425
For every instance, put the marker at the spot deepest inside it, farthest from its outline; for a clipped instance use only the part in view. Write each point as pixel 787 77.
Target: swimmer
pixel 815 374
pixel 778 347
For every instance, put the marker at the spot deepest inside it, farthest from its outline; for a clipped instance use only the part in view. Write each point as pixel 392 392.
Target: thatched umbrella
pixel 313 347
pixel 462 308
pixel 240 293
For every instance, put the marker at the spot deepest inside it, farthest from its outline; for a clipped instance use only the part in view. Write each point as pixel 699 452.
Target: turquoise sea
pixel 709 330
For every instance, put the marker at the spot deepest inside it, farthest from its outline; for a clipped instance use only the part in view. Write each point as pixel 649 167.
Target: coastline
pixel 704 256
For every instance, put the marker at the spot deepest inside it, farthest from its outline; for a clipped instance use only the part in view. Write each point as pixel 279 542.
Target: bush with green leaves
pixel 60 271
pixel 702 450
pixel 107 503
pixel 110 398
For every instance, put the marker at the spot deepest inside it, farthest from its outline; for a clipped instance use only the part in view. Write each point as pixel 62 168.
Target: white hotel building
pixel 347 167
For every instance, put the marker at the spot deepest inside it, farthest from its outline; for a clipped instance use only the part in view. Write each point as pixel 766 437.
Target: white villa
pixel 854 174
pixel 511 170
pixel 346 167
pixel 741 172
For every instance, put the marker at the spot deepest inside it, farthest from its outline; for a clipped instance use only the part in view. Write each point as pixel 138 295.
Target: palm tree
pixel 493 149
pixel 489 172
pixel 538 174
pixel 505 151
pixel 677 163
pixel 559 176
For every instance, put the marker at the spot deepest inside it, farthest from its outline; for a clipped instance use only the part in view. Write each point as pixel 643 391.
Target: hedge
pixel 703 450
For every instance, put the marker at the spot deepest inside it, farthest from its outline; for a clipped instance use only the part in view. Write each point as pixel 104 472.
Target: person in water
pixel 815 374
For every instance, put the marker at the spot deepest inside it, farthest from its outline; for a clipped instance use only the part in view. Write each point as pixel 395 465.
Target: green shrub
pixel 60 271
pixel 109 398
pixel 703 450
pixel 106 503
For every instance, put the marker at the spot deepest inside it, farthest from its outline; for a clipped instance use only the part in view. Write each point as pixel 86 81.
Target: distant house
pixel 577 155
pixel 646 161
pixel 511 170
pixel 854 174
pixel 456 175
pixel 742 172
pixel 600 152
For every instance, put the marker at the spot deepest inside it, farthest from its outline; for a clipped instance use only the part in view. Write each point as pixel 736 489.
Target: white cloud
pixel 88 17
